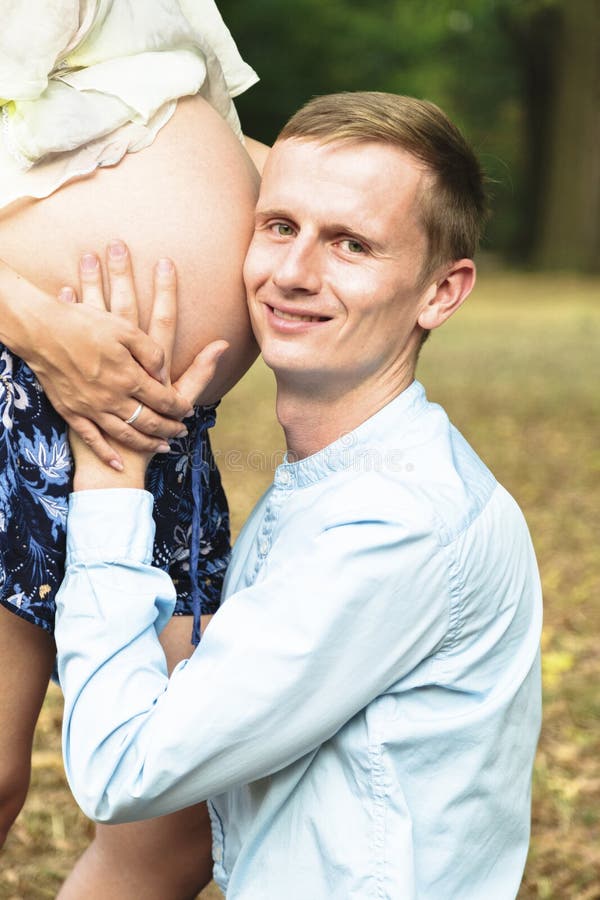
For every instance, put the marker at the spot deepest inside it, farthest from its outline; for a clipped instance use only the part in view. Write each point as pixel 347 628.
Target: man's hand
pixel 89 471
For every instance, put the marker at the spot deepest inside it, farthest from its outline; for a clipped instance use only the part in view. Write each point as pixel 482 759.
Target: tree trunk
pixel 569 228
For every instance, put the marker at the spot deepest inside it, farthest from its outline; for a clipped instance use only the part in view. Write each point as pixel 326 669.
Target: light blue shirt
pixel 364 708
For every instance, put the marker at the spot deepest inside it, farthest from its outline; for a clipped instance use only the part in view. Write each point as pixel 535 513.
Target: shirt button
pixel 217 854
pixel 284 477
pixel 263 548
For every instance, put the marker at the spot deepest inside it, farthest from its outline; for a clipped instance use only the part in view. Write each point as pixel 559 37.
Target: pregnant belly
pixel 189 196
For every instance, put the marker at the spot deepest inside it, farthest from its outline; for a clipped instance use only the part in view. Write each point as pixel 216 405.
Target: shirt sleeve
pixel 282 666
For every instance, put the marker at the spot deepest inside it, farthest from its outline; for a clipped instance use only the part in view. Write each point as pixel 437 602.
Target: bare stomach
pixel 190 196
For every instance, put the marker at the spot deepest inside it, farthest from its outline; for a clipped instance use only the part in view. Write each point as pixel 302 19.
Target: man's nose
pixel 299 268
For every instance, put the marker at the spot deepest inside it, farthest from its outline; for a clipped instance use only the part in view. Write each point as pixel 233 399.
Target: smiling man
pixel 363 710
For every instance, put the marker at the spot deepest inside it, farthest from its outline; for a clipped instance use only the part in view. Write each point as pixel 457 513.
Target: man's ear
pixel 447 294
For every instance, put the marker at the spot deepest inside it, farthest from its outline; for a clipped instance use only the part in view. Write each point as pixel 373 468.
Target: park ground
pixel 518 372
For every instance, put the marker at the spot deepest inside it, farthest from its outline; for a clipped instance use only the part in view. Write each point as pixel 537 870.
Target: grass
pixel 518 372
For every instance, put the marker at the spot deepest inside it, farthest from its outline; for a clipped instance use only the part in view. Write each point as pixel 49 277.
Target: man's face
pixel 332 270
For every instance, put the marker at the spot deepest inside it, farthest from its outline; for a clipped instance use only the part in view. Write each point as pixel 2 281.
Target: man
pixel 363 710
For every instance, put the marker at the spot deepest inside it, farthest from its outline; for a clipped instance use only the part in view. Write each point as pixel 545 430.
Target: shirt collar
pixel 342 454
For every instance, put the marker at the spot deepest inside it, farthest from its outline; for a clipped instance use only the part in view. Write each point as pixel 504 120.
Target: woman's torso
pixel 190 196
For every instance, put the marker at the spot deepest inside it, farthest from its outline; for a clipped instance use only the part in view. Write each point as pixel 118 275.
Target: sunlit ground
pixel 518 372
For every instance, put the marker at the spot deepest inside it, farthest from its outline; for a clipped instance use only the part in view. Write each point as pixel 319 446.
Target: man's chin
pixel 293 371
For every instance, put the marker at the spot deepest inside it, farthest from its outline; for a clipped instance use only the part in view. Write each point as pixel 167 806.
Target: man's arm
pixel 94 367
pixel 281 667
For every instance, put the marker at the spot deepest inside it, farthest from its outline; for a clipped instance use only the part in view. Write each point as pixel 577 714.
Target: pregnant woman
pixel 126 104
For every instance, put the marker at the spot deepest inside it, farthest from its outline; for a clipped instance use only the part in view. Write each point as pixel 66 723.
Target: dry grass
pixel 518 373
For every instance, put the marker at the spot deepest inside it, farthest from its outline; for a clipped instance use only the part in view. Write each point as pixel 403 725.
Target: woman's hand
pixel 94 367
pixel 89 471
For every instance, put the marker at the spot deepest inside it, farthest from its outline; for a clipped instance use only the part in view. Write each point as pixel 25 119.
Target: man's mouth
pixel 297 317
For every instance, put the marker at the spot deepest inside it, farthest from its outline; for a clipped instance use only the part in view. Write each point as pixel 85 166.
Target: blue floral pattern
pixel 35 480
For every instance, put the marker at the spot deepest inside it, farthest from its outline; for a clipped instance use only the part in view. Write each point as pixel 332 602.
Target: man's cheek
pixel 250 260
pixel 256 269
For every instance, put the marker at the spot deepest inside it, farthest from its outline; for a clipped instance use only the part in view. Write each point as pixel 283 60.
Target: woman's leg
pixel 161 859
pixel 27 653
pixel 168 858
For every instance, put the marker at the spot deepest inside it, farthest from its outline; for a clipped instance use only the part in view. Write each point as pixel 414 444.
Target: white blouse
pixel 83 82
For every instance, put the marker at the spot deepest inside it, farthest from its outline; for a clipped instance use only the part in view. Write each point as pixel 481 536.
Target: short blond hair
pixel 453 206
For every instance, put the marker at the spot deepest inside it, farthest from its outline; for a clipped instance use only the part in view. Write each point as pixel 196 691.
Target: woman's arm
pixel 257 151
pixel 94 367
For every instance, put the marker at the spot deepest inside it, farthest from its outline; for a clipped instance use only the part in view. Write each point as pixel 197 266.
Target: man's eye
pixel 283 229
pixel 353 246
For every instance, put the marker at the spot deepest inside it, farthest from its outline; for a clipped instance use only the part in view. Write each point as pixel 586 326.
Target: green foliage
pixel 498 68
pixel 457 54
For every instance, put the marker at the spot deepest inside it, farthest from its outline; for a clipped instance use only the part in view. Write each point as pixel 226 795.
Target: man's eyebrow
pixel 343 228
pixel 272 214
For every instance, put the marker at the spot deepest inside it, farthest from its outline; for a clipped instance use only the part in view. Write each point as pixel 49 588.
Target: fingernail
pixel 116 249
pixel 165 266
pixel 115 464
pixel 182 433
pixel 67 295
pixel 89 262
pixel 189 413
pixel 163 448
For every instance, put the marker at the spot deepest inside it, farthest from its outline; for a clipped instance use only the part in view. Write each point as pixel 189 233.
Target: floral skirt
pixel 190 509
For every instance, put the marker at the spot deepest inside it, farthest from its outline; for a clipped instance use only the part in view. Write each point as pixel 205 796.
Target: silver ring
pixel 134 415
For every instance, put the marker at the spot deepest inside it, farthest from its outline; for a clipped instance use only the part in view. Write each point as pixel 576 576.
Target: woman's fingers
pixel 123 299
pixel 147 353
pixel 151 413
pixel 128 436
pixel 90 278
pixel 67 295
pixel 164 311
pixel 91 435
pixel 148 422
pixel 198 376
pixel 162 398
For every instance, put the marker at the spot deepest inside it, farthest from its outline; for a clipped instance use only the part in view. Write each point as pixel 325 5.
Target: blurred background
pixel 517 369
pixel 520 77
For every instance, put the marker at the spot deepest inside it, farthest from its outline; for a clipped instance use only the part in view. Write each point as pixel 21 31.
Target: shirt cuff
pixel 110 524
